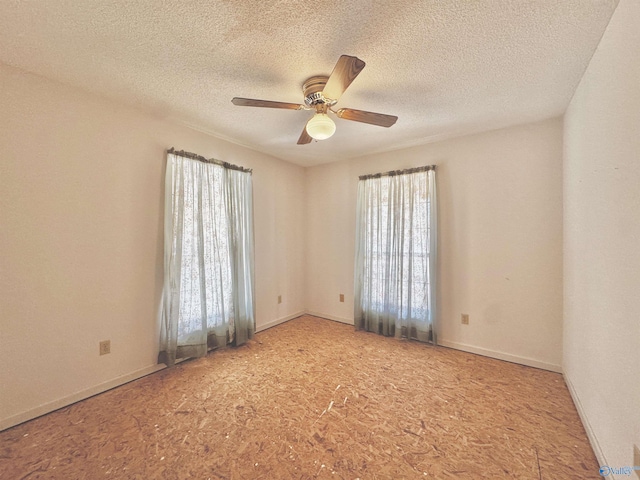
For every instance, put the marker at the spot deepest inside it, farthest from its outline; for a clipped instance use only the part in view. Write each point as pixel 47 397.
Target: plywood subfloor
pixel 315 399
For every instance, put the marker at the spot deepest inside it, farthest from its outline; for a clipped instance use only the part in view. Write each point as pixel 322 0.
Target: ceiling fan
pixel 320 94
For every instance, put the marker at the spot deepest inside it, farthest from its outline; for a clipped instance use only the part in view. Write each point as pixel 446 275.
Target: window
pixel 395 254
pixel 208 287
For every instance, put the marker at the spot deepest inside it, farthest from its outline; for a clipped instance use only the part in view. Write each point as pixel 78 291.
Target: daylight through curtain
pixel 208 261
pixel 396 254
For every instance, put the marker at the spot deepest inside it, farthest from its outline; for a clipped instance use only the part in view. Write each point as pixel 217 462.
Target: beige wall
pixel 500 238
pixel 81 239
pixel 602 241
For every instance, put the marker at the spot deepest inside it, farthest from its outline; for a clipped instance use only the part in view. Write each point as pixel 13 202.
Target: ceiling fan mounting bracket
pixel 312 89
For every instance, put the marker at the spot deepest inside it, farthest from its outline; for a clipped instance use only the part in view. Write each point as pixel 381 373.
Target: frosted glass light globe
pixel 320 126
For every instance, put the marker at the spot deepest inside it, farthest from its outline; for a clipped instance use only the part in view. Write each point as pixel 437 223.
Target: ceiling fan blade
pixel 304 137
pixel 251 102
pixel 345 71
pixel 372 118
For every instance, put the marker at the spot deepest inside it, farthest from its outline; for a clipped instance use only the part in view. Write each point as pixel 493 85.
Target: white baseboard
pixel 595 445
pixel 76 397
pixel 348 321
pixel 530 362
pixel 278 321
pixel 103 387
pixel 465 348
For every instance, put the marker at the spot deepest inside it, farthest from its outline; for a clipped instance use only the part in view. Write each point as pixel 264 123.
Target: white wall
pixel 500 239
pixel 81 239
pixel 602 241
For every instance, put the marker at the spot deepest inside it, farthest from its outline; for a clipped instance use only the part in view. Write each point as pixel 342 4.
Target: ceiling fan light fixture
pixel 320 127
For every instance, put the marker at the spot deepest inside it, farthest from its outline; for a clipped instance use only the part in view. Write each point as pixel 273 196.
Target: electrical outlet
pixel 636 460
pixel 279 299
pixel 342 297
pixel 464 319
pixel 105 347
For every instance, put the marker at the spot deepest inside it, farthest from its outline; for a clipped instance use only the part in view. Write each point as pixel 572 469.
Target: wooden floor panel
pixel 313 398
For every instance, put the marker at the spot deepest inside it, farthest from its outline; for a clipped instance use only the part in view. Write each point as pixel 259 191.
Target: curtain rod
pixel 200 158
pixel 398 172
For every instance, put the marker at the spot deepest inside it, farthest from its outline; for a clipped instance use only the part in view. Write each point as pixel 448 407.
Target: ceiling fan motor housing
pixel 312 90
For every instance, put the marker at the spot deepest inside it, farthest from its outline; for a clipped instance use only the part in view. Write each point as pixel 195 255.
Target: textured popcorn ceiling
pixel 445 68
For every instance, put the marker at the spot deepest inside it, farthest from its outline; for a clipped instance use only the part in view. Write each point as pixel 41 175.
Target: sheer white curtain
pixel 395 269
pixel 208 258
